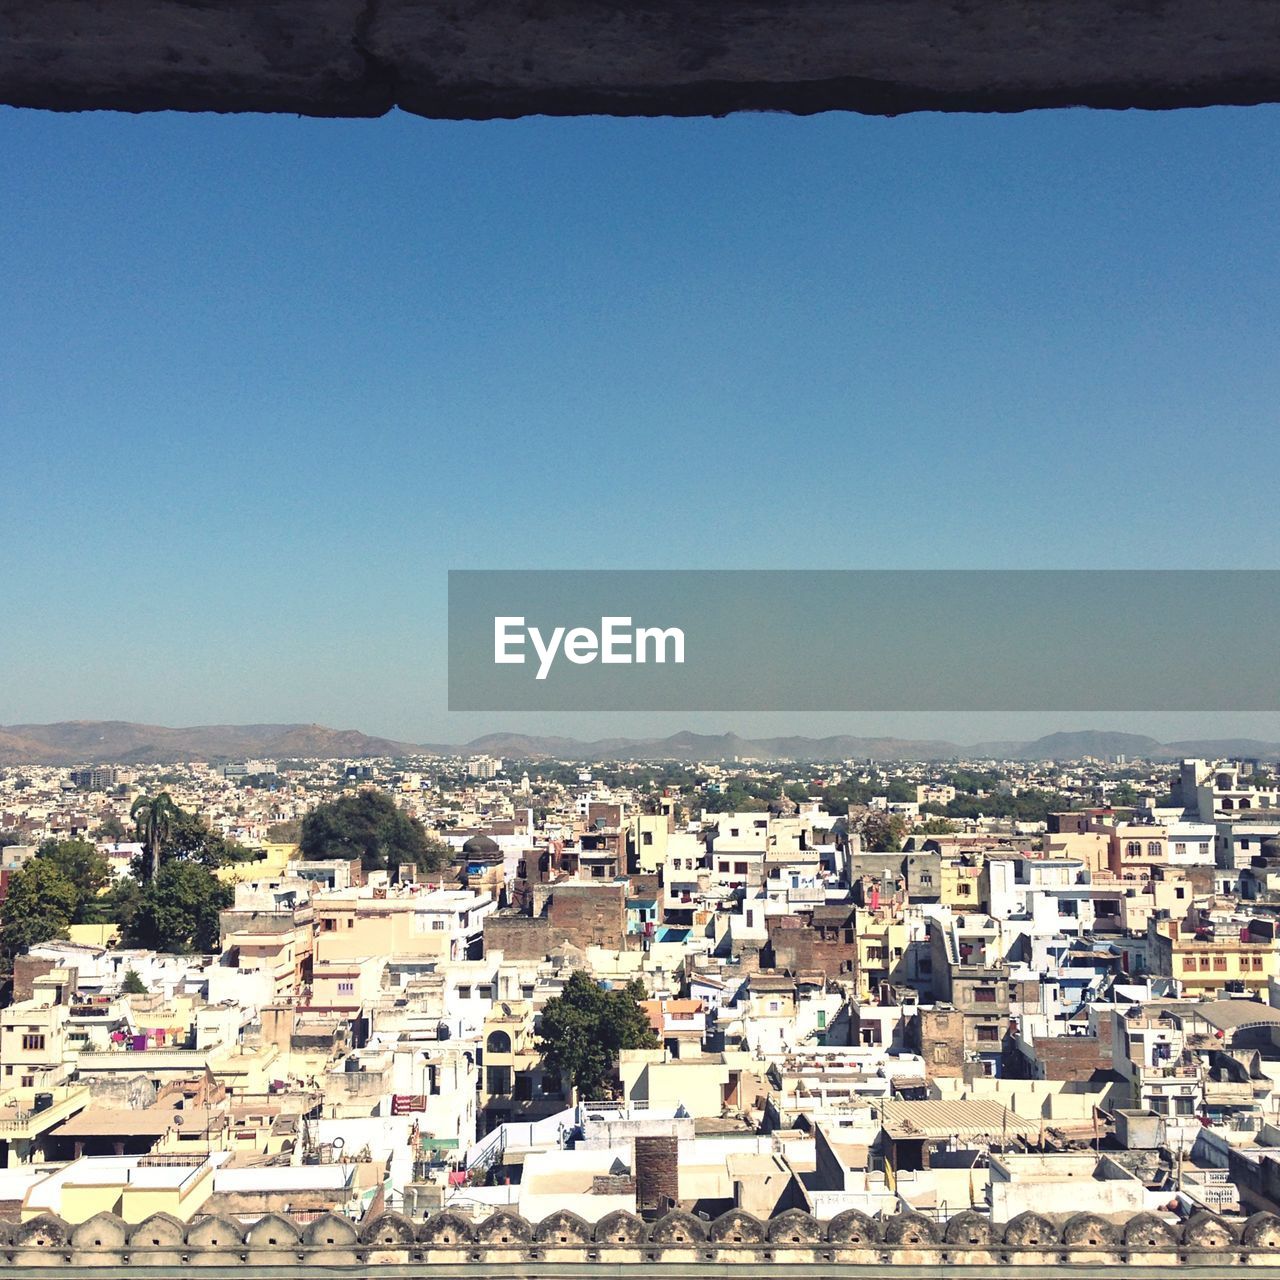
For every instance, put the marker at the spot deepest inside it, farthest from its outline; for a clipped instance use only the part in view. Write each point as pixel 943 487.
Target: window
pixel 984 995
pixel 28 1082
pixel 33 1042
pixel 1189 965
pixel 646 837
pixel 1153 848
pixel 484 993
pixel 739 868
pixel 346 988
pixel 498 1080
pixel 1220 963
pixel 1179 847
pixel 1255 962
pixel 464 993
pixel 988 1035
pixel 964 889
pixel 498 1042
pixel 1204 964
pixel 724 867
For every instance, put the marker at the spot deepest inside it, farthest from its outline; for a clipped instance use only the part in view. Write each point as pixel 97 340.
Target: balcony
pixel 1170 1073
pixel 25 1122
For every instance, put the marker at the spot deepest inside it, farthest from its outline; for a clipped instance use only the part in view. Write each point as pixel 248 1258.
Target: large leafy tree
pixel 191 837
pixel 585 1027
pixel 881 832
pixel 154 818
pixel 188 837
pixel 177 909
pixel 110 828
pixel 368 825
pixel 84 868
pixel 40 904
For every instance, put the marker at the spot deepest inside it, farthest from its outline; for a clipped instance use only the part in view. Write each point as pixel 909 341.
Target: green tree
pixel 110 829
pixel 882 832
pixel 40 904
pixel 154 818
pixel 369 826
pixel 133 985
pixel 936 827
pixel 585 1028
pixel 84 868
pixel 117 906
pixel 177 910
pixel 192 838
pixel 1124 796
pixel 188 837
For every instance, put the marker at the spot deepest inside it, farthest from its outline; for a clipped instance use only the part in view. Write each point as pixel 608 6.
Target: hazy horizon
pixel 963 730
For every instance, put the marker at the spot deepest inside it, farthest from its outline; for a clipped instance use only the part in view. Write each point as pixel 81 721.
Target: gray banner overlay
pixel 865 640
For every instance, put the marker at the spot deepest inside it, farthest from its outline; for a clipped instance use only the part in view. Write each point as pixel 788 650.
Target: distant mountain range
pixel 77 742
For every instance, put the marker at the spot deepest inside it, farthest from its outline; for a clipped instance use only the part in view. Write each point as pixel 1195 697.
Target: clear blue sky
pixel 266 379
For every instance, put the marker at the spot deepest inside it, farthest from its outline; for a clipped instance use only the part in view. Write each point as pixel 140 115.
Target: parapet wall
pixel 645 57
pixel 677 1242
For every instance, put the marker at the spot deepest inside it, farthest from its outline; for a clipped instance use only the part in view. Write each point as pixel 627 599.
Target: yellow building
pixel 1093 848
pixel 269 861
pixel 647 835
pixel 1205 957
pixel 95 935
pixel 960 884
pixel 513 1082
pixel 704 1085
pixel 882 949
pixel 134 1187
pixel 408 923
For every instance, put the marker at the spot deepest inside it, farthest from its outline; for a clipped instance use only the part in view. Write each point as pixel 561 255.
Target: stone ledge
pixel 510 58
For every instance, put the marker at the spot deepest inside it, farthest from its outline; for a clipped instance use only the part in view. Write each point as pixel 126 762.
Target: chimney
pixel 657 1171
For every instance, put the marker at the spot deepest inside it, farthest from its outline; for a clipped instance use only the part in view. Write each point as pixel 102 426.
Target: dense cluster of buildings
pixel 991 1018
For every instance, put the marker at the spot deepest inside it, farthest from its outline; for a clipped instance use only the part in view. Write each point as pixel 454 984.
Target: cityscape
pixel 638 640
pixel 475 1000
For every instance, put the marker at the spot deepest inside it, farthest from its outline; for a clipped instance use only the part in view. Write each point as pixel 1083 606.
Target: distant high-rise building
pixel 95 778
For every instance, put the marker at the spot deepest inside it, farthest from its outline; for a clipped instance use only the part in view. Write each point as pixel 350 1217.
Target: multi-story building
pixel 963 1033
pixel 1211 957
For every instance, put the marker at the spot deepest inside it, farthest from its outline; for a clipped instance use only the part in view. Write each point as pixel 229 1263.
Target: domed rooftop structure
pixel 481 844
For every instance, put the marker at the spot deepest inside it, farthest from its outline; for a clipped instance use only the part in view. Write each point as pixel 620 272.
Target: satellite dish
pixel 338 1144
